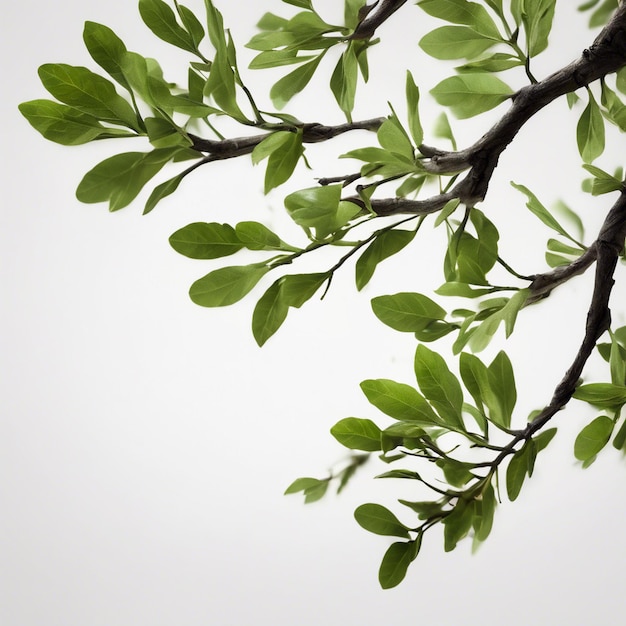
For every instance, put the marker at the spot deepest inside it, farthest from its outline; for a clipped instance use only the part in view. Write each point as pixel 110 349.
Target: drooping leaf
pixel 396 561
pixel 590 131
pixel 458 523
pixel 385 245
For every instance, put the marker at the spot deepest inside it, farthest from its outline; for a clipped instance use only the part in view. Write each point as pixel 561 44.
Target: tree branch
pixel 606 55
pixel 373 15
pixel 311 133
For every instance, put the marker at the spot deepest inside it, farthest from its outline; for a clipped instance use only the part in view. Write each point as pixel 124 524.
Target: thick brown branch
pixel 311 133
pixel 606 55
pixel 373 15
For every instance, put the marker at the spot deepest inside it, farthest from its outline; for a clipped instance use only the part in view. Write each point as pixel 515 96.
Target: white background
pixel 145 442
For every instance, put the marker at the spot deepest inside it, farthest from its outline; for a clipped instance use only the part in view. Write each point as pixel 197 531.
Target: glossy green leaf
pixel 396 561
pixel 357 434
pixel 439 386
pixel 65 125
pixel 120 178
pixel 400 401
pixel 206 240
pixel 226 285
pixel 88 92
pixel 407 312
pixel 455 42
pixel 593 437
pixel 590 131
pixel 387 244
pixel 380 520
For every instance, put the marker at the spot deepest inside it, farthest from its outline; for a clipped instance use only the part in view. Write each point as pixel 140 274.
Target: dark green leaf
pixel 396 561
pixel 516 472
pixel 344 79
pixel 357 434
pixel 457 524
pixel 379 520
pixel 257 236
pixel 269 313
pixel 161 20
pixel 162 191
pixel 485 508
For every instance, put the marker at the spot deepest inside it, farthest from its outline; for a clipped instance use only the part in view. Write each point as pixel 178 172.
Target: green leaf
pixel 257 236
pixel 590 131
pixel 400 401
pixel 462 12
pixel 302 484
pixel 387 244
pixel 470 94
pixel 516 472
pixel 455 42
pixel 269 313
pixel 485 508
pixel 65 125
pixel 497 62
pixel 541 212
pixel 161 20
pixel 593 437
pixel 294 82
pixel 604 395
pixel 87 92
pixel 396 561
pixel 413 99
pixel 392 138
pixel 120 178
pixel 357 434
pixel 379 520
pixel 221 86
pixel 288 291
pixel 603 182
pixel 344 80
pixel 206 240
pixel 320 208
pixel 502 386
pixel 537 19
pixel 282 162
pixel 162 191
pixel 107 50
pixel 191 24
pixel 226 285
pixel 439 386
pixel 407 312
pixel 457 524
